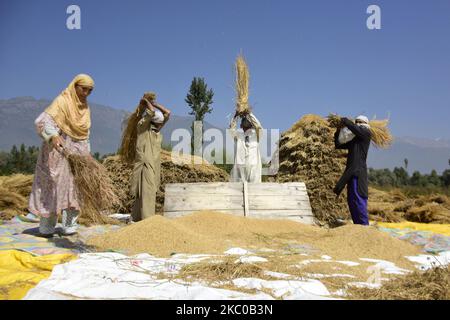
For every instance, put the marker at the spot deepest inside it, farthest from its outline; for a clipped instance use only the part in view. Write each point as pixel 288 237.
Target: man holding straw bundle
pixel 355 137
pixel 141 145
pixel 64 124
pixel 247 163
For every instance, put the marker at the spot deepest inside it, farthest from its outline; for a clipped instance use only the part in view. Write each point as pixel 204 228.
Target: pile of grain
pixel 213 232
pixel 395 206
pixel 14 193
pixel 171 172
pixel 433 284
pixel 307 154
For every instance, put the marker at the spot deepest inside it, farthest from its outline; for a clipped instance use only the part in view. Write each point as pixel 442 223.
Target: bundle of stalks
pixel 127 149
pixel 242 84
pixel 226 270
pixel 94 186
pixel 433 284
pixel 380 134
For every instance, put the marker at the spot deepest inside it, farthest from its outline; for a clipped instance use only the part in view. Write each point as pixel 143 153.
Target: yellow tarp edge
pixel 443 229
pixel 20 271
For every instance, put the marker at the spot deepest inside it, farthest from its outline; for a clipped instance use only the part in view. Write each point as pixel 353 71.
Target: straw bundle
pixel 242 84
pixel 95 188
pixel 381 136
pixel 433 284
pixel 127 149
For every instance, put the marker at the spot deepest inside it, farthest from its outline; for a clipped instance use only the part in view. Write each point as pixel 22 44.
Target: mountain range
pixel 17 117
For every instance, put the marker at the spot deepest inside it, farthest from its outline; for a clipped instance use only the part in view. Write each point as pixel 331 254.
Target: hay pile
pixel 14 193
pixel 433 284
pixel 395 206
pixel 170 173
pixel 307 154
pixel 213 232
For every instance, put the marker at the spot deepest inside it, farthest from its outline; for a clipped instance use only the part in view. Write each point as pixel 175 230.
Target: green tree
pixel 433 179
pixel 199 99
pixel 402 176
pixel 418 180
pixel 446 178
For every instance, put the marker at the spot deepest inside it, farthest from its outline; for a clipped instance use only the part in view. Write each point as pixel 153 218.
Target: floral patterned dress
pixel 53 186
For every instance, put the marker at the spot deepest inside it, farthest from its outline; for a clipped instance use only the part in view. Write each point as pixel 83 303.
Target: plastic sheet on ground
pixel 21 271
pixel 115 276
pixel 443 229
pixel 429 236
pixel 19 235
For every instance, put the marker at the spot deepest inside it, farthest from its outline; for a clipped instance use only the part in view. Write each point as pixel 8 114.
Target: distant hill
pixel 423 155
pixel 17 117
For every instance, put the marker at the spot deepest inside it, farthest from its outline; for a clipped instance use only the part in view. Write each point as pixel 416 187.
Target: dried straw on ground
pixel 242 86
pixel 307 153
pixel 94 186
pixel 14 193
pixel 381 136
pixel 433 284
pixel 127 149
pixel 172 171
pixel 395 206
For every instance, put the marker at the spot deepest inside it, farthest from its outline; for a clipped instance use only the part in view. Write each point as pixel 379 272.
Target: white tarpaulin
pixel 116 276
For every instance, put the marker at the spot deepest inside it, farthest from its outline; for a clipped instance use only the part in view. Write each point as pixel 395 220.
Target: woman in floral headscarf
pixel 64 124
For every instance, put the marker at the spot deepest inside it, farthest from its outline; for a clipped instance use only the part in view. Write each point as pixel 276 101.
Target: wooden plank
pixel 245 191
pixel 256 200
pixel 267 213
pixel 275 189
pixel 302 217
pixel 175 214
pixel 203 202
pixel 226 188
pixel 277 203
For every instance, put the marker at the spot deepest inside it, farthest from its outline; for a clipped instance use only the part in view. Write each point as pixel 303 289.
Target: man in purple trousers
pixel 356 139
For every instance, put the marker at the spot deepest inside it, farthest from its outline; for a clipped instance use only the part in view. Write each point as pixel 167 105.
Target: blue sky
pixel 304 56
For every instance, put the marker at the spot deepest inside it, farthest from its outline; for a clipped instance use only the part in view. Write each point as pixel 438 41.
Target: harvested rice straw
pixel 94 187
pixel 242 83
pixel 381 136
pixel 127 150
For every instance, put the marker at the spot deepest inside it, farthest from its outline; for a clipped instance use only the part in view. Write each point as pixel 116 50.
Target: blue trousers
pixel 356 203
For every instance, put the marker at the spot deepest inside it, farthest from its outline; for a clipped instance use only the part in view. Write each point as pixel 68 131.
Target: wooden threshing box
pixel 257 200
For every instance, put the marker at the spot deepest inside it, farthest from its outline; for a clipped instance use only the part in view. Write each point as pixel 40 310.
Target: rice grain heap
pixel 211 232
pixel 307 153
pixel 171 172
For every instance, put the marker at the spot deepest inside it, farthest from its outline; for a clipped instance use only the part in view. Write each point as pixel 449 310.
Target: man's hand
pixel 57 142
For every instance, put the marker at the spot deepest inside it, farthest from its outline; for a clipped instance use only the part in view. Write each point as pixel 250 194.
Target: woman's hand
pixel 57 142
